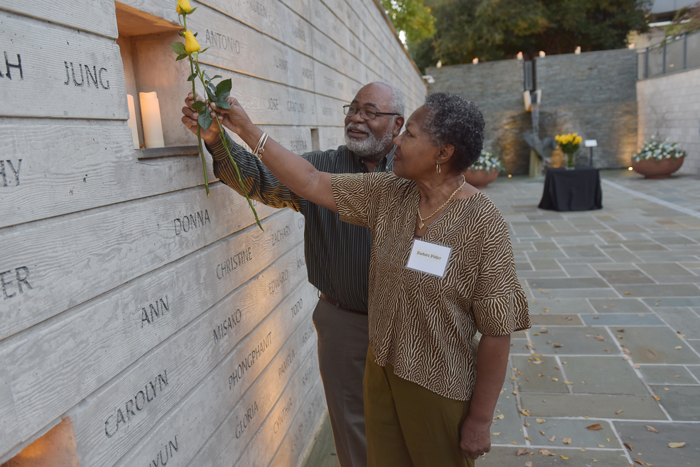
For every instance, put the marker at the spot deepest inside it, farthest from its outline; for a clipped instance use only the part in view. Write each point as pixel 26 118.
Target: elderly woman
pixel 441 269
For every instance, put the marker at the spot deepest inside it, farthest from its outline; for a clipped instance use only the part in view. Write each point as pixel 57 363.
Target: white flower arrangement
pixel 658 150
pixel 487 162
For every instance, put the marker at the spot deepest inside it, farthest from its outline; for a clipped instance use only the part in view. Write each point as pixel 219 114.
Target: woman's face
pixel 415 156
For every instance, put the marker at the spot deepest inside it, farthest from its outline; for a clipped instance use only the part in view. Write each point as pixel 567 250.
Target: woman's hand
pixel 475 438
pixel 189 118
pixel 235 118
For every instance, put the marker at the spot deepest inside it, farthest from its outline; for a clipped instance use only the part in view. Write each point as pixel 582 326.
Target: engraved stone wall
pixel 166 326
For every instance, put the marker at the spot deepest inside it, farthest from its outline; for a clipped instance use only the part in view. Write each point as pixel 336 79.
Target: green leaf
pixel 192 77
pixel 191 11
pixel 199 105
pixel 180 57
pixel 210 93
pixel 178 48
pixel 182 34
pixel 217 76
pixel 203 50
pixel 205 119
pixel 223 104
pixel 224 86
pixel 224 95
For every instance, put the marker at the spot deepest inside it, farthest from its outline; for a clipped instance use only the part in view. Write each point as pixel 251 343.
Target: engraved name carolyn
pixel 121 416
pixel 249 361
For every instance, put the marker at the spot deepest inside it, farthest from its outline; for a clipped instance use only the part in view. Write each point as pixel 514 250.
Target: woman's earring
pixel 438 169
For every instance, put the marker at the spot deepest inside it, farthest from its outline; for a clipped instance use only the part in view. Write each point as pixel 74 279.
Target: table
pixel 572 190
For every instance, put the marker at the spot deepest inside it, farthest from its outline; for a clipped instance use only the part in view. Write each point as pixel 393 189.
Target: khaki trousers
pixel 408 425
pixel 343 338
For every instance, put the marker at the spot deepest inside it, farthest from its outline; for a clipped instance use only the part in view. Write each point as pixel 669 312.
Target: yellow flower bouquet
pixel 215 93
pixel 569 144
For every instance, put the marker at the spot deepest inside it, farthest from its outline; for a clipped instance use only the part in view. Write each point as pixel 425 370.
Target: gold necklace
pixel 421 224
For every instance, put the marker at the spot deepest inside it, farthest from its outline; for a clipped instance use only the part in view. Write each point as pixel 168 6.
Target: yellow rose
pixel 183 6
pixel 191 44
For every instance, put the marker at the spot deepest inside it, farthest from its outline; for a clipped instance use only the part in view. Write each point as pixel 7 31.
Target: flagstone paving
pixel 615 302
pixel 614 298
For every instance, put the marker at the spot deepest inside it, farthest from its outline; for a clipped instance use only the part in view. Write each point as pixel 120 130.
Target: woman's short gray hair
pixel 456 121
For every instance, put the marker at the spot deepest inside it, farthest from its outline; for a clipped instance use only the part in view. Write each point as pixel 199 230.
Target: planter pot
pixel 657 169
pixel 480 178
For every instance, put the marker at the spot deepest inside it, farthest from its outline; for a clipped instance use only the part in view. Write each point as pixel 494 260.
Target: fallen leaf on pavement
pixel 566 440
pixel 629 446
pixel 553 438
pixel 526 424
pixel 525 412
pixel 540 420
pixel 555 379
pixel 542 432
pixel 652 429
pixel 521 452
pixel 678 347
pixel 595 427
pixel 657 398
pixel 528 464
pixel 638 461
pixel 501 417
pixel 498 433
pixel 676 445
pixel 564 457
pixel 619 412
pixel 620 330
pixel 544 452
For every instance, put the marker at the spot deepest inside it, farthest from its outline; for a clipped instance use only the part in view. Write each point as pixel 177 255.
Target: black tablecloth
pixel 572 190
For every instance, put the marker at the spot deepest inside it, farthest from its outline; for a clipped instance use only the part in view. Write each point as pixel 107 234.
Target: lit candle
pixel 475 61
pixel 132 121
pixel 578 50
pixel 150 117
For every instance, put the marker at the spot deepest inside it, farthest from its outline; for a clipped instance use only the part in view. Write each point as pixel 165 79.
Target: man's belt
pixel 337 304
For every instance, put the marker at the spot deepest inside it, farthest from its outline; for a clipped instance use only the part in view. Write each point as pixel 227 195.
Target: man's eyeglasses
pixel 367 114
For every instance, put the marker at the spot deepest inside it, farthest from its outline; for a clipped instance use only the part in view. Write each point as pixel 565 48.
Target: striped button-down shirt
pixel 337 253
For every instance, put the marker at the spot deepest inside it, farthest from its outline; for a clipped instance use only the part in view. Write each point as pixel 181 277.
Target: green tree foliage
pixel 412 17
pixel 686 20
pixel 498 29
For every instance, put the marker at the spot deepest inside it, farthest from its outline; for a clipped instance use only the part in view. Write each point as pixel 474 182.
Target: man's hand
pixel 189 118
pixel 475 438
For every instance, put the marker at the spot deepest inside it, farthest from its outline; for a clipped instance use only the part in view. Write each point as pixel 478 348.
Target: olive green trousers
pixel 408 425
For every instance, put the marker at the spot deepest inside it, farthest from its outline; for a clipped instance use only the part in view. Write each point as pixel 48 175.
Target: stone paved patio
pixel 615 302
pixel 615 341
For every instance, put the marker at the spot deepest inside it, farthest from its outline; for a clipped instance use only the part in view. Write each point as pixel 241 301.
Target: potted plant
pixel 658 158
pixel 484 170
pixel 569 144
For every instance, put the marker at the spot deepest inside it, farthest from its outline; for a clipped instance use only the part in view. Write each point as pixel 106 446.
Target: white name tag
pixel 428 257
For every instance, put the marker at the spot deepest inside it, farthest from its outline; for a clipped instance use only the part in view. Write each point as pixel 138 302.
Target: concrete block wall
pixel 592 94
pixel 160 325
pixel 669 107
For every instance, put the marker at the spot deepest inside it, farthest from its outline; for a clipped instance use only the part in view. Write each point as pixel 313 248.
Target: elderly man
pixel 337 253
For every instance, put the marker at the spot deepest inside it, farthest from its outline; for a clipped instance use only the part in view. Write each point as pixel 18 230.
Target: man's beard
pixel 369 147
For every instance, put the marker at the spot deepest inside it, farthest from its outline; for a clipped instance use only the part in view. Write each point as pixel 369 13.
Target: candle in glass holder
pixel 150 118
pixel 132 121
